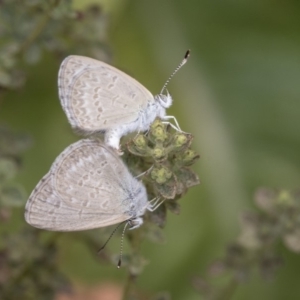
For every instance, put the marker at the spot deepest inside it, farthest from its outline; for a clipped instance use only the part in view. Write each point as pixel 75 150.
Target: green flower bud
pixel 140 141
pixel 139 146
pixel 161 174
pixel 159 153
pixel 156 123
pixel 158 132
pixel 189 157
pixel 180 139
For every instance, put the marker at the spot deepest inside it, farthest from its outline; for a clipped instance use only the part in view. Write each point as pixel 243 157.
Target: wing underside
pixel 46 209
pixel 96 96
pixel 88 186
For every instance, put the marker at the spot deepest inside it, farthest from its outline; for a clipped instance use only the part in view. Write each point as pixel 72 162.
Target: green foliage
pixel 12 194
pixel 167 179
pixel 168 155
pixel 256 248
pixel 27 31
pixel 30 27
pixel 29 266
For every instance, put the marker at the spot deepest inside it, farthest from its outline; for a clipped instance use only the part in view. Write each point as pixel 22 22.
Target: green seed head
pixel 190 156
pixel 180 139
pixel 159 153
pixel 161 174
pixel 140 141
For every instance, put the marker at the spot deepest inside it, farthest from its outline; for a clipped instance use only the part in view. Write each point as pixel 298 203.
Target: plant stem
pixel 135 241
pixel 128 286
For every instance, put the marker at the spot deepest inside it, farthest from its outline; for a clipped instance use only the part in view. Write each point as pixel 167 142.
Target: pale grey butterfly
pixel 88 186
pixel 97 97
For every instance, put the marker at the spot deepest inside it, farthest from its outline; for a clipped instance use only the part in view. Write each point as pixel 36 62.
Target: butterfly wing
pixel 96 96
pixel 45 209
pixel 87 187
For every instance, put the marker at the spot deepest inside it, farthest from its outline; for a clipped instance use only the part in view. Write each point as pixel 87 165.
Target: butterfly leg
pixel 177 127
pixel 142 174
pixel 155 203
pixel 137 134
pixel 172 125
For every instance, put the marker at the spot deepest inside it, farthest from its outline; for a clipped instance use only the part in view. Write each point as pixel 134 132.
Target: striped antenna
pixel 121 247
pixel 114 231
pixel 187 54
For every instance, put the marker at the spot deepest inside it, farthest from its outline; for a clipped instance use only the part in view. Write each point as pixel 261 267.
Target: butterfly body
pixel 145 118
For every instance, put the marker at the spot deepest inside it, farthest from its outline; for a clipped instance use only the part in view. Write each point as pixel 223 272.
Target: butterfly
pixel 97 97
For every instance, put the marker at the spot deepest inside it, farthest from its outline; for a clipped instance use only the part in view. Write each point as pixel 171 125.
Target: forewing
pixel 96 96
pixel 86 187
pixel 89 174
pixel 46 209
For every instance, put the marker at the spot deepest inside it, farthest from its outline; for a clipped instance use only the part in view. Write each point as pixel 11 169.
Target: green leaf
pixel 168 189
pixel 159 216
pixel 154 234
pixel 186 178
pixel 173 206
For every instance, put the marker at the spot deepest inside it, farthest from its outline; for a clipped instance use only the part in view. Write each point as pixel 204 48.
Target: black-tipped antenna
pixel 121 246
pixel 114 231
pixel 187 54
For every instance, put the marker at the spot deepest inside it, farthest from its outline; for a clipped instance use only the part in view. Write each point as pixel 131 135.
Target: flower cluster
pixel 168 157
pixel 28 268
pixel 29 28
pixel 256 245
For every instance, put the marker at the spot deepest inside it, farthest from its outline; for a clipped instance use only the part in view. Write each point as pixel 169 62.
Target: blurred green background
pixel 238 95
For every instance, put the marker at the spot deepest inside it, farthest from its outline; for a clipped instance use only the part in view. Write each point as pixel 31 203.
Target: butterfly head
pixel 164 100
pixel 135 222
